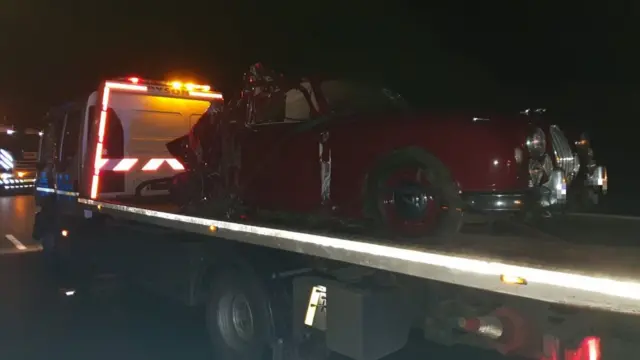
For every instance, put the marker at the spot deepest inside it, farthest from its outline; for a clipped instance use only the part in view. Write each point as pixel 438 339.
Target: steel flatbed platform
pixel 549 268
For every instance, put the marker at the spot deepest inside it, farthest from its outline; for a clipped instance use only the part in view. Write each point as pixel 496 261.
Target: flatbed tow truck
pixel 300 295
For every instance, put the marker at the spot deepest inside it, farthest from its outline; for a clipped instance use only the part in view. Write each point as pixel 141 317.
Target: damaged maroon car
pixel 341 153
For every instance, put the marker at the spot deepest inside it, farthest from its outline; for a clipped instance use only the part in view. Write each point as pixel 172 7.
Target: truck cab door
pixel 283 160
pixel 47 159
pixel 68 164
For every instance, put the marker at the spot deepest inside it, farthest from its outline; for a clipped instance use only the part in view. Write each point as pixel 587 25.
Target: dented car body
pixel 355 154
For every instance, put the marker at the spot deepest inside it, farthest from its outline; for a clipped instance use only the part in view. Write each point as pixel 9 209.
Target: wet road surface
pixel 107 321
pixel 16 218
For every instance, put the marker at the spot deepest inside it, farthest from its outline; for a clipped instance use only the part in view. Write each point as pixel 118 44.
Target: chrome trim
pixel 565 158
pixel 495 202
pixel 599 178
pixel 554 191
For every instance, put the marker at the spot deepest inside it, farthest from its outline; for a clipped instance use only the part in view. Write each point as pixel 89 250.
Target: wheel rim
pixel 408 201
pixel 242 318
pixel 235 320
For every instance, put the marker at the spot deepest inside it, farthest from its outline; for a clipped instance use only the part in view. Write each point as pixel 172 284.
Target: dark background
pixel 578 59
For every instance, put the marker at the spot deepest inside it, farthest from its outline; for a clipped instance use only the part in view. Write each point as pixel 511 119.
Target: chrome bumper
pixel 496 201
pixel 599 178
pixel 554 191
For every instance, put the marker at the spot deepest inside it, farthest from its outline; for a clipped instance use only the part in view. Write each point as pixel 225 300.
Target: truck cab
pixel 18 156
pixel 111 145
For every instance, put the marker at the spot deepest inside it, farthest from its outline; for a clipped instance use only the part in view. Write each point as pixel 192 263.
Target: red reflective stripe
pixel 98 163
pixel 175 164
pixel 125 164
pixel 131 87
pixel 102 163
pixel 153 165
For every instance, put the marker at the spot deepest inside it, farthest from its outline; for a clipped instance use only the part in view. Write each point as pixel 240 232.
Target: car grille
pixel 565 158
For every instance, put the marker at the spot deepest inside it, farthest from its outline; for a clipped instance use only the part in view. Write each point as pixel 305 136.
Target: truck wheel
pixel 238 317
pixel 411 194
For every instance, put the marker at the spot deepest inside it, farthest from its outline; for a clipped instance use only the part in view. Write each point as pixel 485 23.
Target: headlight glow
pixel 537 143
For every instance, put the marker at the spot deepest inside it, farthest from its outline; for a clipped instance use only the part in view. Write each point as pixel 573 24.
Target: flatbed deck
pixel 590 266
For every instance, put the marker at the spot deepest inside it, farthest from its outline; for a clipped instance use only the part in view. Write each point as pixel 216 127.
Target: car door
pixel 280 163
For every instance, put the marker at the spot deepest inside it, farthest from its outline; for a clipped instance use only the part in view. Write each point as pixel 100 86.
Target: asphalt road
pixel 38 320
pixel 16 218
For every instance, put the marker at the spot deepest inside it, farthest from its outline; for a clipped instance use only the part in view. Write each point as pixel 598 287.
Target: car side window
pixel 280 107
pixel 296 106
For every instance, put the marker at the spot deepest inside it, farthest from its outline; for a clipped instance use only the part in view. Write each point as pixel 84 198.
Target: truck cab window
pixel 50 141
pixel 71 129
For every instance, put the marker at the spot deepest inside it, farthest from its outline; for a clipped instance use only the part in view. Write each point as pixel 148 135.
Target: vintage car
pixel 336 152
pixel 571 151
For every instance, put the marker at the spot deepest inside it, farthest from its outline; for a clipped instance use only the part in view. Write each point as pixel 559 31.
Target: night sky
pixel 580 59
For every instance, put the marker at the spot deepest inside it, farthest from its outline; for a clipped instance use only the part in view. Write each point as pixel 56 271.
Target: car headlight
pixel 537 143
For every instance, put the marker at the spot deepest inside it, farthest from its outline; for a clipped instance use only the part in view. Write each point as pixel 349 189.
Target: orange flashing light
pixel 208 95
pixel 130 87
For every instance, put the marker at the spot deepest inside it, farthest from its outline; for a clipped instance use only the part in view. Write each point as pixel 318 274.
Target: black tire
pixel 450 217
pixel 246 338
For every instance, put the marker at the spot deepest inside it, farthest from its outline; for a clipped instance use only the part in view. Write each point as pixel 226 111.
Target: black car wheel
pixel 238 317
pixel 411 194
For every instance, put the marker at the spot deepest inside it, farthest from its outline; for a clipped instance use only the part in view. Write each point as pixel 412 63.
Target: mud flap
pixel 44 222
pixel 38 226
pixel 357 322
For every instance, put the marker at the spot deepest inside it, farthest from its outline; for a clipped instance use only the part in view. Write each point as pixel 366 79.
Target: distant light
pixel 21 174
pixel 206 87
pixel 176 84
pixel 134 80
pixel 190 86
pixel 11 132
pixel 64 233
pixel 40 133
pixel 70 292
